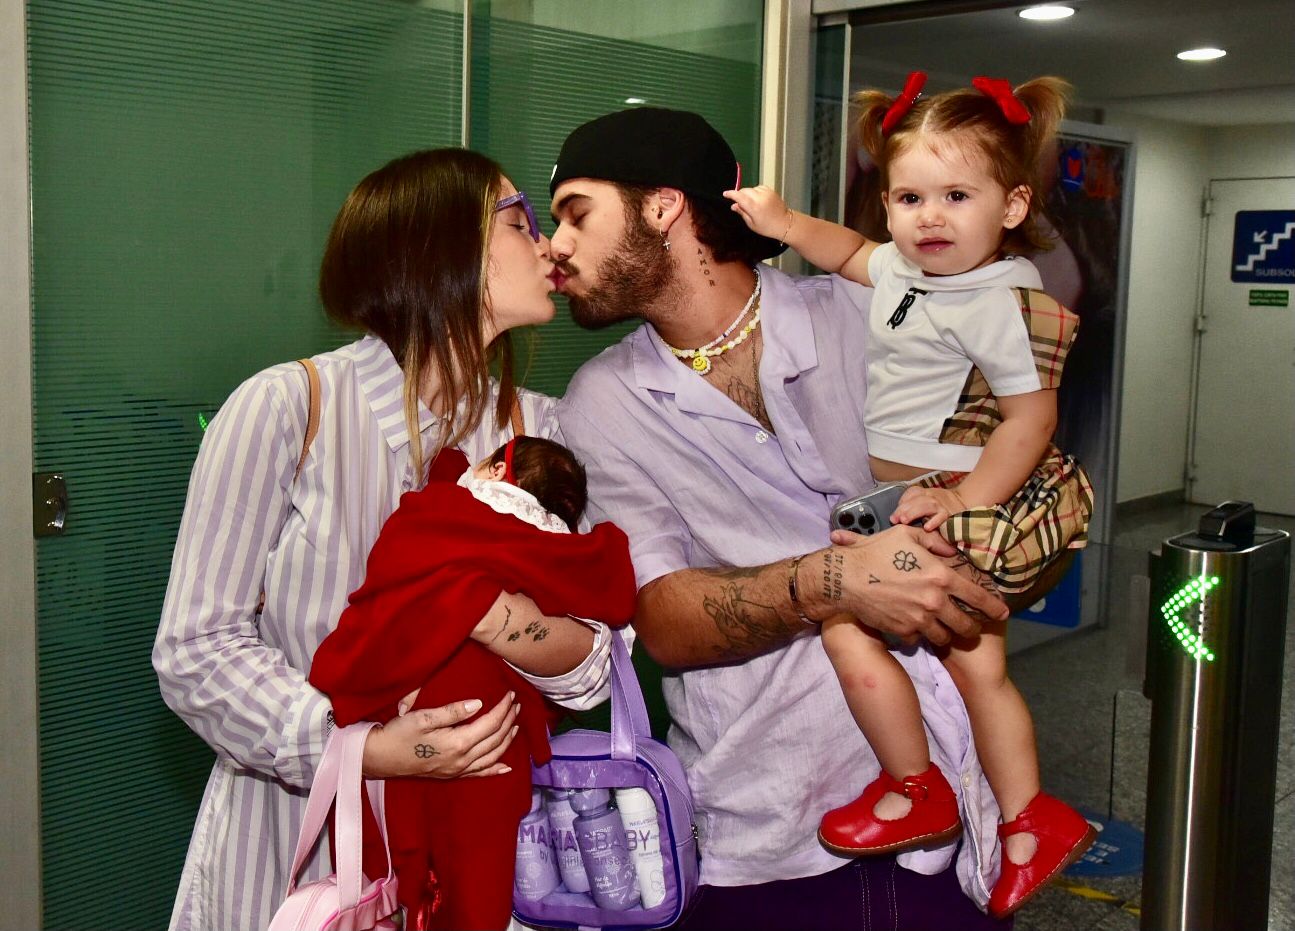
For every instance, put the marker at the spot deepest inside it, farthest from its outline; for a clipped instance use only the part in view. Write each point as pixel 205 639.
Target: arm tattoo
pixel 872 579
pixel 537 631
pixel 732 573
pixel 425 751
pixel 508 616
pixel 746 627
pixel 833 575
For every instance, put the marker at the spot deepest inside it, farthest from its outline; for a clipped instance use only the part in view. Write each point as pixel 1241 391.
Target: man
pixel 719 436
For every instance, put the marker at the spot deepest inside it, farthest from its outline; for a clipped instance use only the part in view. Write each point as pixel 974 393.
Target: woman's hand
pixel 935 504
pixel 432 742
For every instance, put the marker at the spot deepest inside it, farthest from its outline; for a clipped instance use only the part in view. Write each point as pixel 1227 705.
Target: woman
pixel 436 257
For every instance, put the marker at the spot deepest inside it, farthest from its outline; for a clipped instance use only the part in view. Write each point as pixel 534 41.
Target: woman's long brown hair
pixel 406 261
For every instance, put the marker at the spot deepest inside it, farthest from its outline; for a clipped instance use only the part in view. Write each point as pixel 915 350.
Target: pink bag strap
pixel 339 774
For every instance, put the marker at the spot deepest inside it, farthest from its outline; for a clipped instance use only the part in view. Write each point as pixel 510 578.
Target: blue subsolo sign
pixel 1263 246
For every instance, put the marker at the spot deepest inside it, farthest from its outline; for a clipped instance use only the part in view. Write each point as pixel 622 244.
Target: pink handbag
pixel 343 901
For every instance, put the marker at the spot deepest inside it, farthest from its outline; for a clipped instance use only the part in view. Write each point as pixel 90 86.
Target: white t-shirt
pixel 925 335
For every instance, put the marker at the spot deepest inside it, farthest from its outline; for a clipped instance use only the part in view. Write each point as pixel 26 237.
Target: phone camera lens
pixel 867 521
pixel 847 519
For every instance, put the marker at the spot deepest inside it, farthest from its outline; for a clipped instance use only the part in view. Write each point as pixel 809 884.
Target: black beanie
pixel 656 147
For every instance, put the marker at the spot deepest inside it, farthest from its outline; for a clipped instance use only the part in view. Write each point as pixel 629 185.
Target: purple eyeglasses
pixel 525 202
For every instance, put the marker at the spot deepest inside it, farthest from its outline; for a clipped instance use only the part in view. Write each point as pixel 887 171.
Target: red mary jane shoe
pixel 1062 835
pixel 853 829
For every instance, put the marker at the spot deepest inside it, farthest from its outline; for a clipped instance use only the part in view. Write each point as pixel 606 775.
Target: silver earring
pixel 665 242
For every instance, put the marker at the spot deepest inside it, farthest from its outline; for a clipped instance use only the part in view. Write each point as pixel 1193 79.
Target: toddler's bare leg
pixel 883 702
pixel 1000 721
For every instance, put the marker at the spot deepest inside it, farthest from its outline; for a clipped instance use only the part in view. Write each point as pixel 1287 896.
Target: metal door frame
pixel 20 894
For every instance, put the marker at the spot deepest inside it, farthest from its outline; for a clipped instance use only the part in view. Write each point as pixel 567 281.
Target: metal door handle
pixel 49 504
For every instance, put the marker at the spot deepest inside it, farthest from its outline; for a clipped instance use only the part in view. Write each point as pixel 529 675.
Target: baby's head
pixel 959 170
pixel 546 469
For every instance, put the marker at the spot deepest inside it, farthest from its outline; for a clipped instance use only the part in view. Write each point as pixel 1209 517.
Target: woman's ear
pixel 1018 206
pixel 497 471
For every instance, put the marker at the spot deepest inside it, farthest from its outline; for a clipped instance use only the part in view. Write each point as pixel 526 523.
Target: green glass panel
pixel 187 159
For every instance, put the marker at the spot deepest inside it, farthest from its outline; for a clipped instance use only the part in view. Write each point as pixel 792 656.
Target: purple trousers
pixel 868 894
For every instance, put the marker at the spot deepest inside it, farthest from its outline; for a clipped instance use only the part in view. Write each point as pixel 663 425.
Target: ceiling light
pixel 1201 54
pixel 634 100
pixel 1047 12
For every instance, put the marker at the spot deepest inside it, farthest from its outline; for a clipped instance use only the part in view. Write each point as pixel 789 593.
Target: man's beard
pixel 637 274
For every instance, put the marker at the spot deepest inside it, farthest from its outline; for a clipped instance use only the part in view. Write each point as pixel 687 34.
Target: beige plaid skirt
pixel 1014 541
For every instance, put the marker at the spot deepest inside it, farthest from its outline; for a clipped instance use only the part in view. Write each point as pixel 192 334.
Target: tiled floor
pixel 1093 726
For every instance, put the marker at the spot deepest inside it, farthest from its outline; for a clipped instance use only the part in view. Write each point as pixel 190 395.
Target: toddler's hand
pixel 935 504
pixel 763 210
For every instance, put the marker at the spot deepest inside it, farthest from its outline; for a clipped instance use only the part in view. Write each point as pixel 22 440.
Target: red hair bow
pixel 904 102
pixel 1000 92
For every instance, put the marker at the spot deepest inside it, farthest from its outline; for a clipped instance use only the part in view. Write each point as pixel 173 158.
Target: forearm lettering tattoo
pixel 746 627
pixel 833 575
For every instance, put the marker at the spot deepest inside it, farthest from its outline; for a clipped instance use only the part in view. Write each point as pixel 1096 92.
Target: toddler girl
pixel 964 358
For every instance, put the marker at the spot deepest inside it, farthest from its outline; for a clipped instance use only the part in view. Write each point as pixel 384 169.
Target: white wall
pixel 1169 180
pixel 1175 161
pixel 1251 151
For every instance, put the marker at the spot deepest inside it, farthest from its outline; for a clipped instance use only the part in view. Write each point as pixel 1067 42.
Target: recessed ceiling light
pixel 634 100
pixel 1046 12
pixel 1201 54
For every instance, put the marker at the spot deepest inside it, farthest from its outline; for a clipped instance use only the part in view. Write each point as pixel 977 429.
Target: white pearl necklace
pixel 702 355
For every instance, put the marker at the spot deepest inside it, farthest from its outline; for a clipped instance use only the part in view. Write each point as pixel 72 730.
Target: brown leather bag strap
pixel 312 421
pixel 519 425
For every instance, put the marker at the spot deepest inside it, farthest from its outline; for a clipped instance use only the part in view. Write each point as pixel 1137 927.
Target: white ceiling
pixel 1119 54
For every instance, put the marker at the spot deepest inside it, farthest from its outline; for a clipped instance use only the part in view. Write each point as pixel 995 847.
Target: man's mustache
pixel 567 269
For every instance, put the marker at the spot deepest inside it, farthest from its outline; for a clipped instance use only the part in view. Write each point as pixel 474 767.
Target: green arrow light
pixel 202 422
pixel 1193 591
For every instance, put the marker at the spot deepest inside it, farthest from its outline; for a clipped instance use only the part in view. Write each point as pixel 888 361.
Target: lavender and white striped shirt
pixel 240 682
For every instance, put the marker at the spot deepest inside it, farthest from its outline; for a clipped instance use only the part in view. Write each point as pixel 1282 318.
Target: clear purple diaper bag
pixel 616 815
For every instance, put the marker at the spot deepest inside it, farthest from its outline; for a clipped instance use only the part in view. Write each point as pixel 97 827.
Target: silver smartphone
pixel 869 512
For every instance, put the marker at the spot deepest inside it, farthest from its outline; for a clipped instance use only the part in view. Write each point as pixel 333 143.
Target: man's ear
pixel 667 205
pixel 1018 206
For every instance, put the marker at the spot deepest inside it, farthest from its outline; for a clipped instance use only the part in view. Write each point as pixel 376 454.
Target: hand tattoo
pixel 424 751
pixel 872 579
pixel 905 561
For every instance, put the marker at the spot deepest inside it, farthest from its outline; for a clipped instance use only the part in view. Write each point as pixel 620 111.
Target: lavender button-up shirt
pixel 768 744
